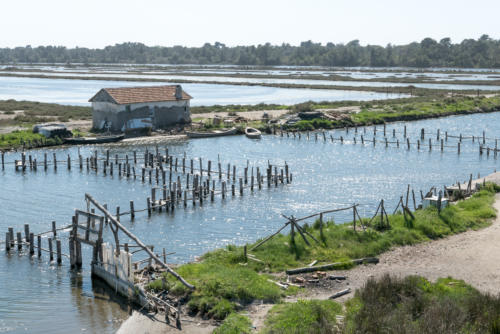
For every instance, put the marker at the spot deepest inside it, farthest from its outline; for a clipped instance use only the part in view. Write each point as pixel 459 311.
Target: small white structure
pixel 433 201
pixel 129 108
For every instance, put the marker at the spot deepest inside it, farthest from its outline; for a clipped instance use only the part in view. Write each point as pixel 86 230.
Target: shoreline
pixel 436 258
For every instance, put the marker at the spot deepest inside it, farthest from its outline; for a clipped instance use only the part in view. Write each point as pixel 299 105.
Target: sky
pixel 98 23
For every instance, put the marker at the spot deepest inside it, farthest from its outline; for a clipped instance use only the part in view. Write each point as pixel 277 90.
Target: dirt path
pixel 470 256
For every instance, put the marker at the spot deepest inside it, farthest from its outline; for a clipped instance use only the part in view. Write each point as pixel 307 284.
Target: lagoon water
pixel 78 92
pixel 38 296
pixel 256 81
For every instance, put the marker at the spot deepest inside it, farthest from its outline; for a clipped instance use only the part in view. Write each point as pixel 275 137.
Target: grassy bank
pixel 225 280
pixel 27 139
pixel 379 112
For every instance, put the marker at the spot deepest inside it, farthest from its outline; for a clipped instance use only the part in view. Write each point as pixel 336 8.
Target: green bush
pixel 415 305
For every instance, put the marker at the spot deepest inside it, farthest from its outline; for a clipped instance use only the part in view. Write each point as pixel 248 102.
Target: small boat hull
pixel 253 133
pixel 93 140
pixel 217 133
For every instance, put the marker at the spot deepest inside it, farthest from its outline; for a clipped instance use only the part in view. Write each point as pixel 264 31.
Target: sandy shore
pixel 149 323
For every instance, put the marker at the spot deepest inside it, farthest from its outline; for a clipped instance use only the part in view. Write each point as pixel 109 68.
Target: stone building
pixel 133 108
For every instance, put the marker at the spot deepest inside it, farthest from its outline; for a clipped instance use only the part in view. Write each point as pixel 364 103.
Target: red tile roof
pixel 129 95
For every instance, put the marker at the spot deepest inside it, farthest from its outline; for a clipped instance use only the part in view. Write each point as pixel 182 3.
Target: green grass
pixel 304 316
pixel 225 281
pixel 415 305
pixel 19 138
pixel 235 324
pixel 379 112
pixel 340 243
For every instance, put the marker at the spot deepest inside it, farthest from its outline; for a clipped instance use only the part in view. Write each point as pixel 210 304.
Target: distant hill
pixel 481 53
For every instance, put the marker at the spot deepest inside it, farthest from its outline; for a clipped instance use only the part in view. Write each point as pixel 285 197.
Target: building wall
pixel 140 115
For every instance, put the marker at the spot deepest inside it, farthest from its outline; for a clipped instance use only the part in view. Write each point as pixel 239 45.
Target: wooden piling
pixel 32 244
pixel 19 241
pixel 27 232
pixel 11 236
pixel 58 247
pixel 39 243
pixel 7 241
pixel 51 252
pixel 132 211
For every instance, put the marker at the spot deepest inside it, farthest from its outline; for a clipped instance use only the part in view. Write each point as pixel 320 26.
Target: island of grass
pixel 226 281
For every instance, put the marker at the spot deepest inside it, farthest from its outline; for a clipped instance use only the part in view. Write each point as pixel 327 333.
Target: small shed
pixel 130 108
pixel 52 130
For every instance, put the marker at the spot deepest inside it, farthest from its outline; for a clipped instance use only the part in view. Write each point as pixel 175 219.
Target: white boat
pixel 215 133
pixel 252 133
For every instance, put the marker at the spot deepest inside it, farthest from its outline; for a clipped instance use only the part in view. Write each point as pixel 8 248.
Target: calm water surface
pixel 78 92
pixel 37 296
pixel 293 81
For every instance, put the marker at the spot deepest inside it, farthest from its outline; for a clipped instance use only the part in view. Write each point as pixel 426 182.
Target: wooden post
pixel 51 252
pixel 45 160
pixel 458 148
pixel 132 212
pixel 58 248
pixel 39 243
pixel 27 232
pixel 241 186
pixel 69 162
pixel 11 237
pixel 32 244
pixel 149 206
pixel 19 241
pixel 54 229
pixel 55 161
pixel 7 241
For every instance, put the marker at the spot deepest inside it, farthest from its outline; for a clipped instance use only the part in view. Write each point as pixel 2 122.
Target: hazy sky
pixel 97 23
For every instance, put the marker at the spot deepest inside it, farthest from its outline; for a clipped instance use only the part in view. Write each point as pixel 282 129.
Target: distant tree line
pixel 483 52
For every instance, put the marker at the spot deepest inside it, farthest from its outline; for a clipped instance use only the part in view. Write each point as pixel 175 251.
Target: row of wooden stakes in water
pixel 152 163
pixel 423 134
pixel 12 241
pixel 174 194
pixel 408 144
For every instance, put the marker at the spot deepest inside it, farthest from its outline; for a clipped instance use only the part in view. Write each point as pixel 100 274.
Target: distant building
pixel 131 108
